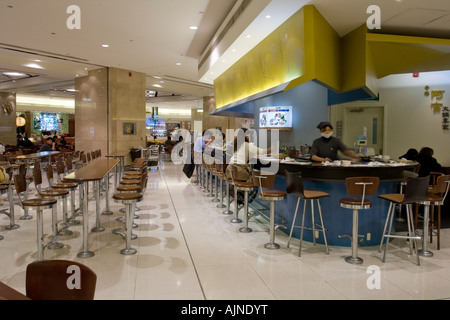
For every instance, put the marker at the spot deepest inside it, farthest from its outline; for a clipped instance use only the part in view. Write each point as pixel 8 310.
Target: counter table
pixel 331 179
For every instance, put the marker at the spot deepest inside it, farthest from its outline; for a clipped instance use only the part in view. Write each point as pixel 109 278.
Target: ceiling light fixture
pixel 34 66
pixel 14 74
pixel 178 63
pixel 193 27
pixel 105 45
pixel 157 86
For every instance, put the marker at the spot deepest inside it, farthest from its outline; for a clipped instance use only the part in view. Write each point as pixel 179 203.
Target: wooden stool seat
pixel 127 196
pixel 272 195
pixel 129 188
pixel 351 202
pixel 53 193
pixel 41 203
pixel 65 185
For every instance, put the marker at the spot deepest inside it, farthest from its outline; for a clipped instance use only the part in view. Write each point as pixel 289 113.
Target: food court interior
pixel 113 83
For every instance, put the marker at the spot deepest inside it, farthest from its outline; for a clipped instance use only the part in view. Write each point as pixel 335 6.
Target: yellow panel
pixel 278 59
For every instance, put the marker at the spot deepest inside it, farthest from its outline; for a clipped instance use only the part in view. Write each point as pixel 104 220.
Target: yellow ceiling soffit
pixel 394 54
pixel 322 48
pixel 276 60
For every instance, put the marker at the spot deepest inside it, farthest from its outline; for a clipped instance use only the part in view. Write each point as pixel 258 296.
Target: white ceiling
pixel 152 36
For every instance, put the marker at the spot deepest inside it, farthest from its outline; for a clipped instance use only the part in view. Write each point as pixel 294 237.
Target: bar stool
pixel 231 173
pixel 215 178
pixel 245 187
pixel 56 194
pixel 358 186
pixel 39 205
pixel 7 187
pixel 220 169
pixel 23 170
pixel 416 191
pixel 71 186
pixel 139 188
pixel 228 184
pixel 267 180
pixel 437 195
pixel 294 186
pixel 129 200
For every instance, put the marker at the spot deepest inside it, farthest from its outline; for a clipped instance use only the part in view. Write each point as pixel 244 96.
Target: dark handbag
pixel 189 168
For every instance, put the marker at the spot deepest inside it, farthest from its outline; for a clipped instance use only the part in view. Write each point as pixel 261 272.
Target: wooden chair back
pixel 60 280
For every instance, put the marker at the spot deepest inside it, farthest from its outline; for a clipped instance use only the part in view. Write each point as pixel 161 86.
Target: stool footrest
pixel 399 236
pixel 349 236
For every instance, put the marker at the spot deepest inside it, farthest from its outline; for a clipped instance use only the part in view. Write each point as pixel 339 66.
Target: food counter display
pixel 330 178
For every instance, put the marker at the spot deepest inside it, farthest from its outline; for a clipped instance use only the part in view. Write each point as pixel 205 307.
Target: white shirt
pixel 242 157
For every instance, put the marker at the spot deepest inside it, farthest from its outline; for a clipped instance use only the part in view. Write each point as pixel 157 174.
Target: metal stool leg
pixel 245 228
pixel 221 205
pixel 216 187
pixel 324 230
pixel 129 228
pixel 40 235
pixel 235 219
pixel 271 244
pixel 55 244
pixel 354 259
pixel 228 211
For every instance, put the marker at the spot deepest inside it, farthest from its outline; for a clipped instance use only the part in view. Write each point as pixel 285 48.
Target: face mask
pixel 327 135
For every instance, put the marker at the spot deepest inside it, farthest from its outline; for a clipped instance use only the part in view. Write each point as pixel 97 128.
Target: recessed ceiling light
pixel 157 86
pixel 105 45
pixel 248 36
pixel 193 27
pixel 268 16
pixel 37 60
pixel 14 74
pixel 178 63
pixel 34 66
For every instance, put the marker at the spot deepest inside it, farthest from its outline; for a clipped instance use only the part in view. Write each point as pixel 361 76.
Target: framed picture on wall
pixel 129 128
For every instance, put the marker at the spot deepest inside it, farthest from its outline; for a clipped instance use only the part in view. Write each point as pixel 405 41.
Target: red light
pixel 415 74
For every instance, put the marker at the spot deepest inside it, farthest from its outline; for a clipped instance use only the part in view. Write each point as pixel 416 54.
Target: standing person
pixel 326 147
pixel 427 162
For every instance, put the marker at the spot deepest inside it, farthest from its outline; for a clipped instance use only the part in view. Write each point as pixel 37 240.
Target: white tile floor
pixel 187 249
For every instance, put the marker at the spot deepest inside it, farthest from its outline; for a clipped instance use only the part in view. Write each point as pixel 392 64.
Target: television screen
pixel 149 122
pixel 49 122
pixel 275 117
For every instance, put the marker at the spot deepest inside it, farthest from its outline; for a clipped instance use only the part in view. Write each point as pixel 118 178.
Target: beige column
pixel 110 111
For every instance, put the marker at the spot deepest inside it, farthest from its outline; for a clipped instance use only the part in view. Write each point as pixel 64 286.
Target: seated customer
pixel 428 164
pixel 411 154
pixel 49 145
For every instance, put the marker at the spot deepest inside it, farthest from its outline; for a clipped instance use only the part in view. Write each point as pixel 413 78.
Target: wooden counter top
pixel 36 155
pixel 117 154
pixel 94 171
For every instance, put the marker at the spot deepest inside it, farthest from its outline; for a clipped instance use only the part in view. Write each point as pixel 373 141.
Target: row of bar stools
pixel 129 195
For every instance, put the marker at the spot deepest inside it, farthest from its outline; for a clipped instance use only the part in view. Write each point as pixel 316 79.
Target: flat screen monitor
pixel 49 122
pixel 275 117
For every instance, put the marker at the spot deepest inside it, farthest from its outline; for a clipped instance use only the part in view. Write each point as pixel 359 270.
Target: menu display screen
pixel 275 117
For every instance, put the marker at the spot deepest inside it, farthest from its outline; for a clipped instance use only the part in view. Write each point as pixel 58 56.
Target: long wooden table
pixel 37 155
pixel 93 172
pixel 121 156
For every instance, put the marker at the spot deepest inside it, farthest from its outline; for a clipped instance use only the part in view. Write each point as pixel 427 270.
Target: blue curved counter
pixel 337 220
